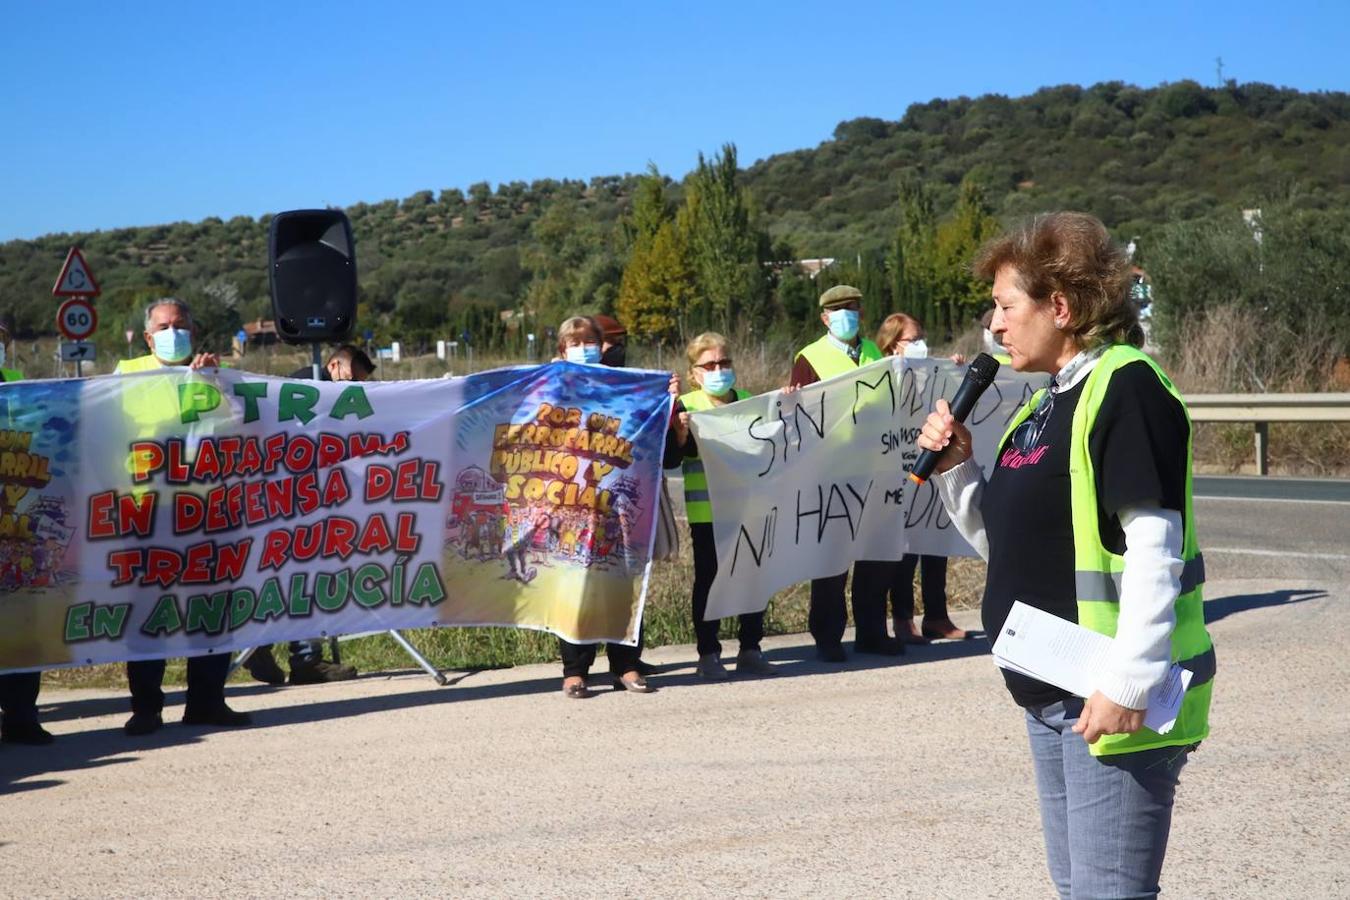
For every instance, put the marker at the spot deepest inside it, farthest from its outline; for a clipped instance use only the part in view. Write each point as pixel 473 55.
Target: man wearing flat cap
pixel 839 351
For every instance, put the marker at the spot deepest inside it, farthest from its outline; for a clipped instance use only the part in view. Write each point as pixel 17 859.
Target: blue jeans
pixel 1106 819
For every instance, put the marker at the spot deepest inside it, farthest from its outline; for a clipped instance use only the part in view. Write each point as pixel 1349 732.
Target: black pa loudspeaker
pixel 312 275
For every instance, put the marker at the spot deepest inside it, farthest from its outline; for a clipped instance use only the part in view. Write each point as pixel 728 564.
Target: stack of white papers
pixel 1069 656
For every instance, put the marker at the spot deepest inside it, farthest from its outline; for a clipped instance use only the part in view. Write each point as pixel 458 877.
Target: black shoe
pixel 141 724
pixel 831 653
pixel 320 672
pixel 31 733
pixel 221 717
pixel 884 646
pixel 262 665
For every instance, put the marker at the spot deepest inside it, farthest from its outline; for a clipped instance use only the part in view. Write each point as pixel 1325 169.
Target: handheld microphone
pixel 979 376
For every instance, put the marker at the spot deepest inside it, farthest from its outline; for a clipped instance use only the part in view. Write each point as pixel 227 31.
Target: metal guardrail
pixel 1261 409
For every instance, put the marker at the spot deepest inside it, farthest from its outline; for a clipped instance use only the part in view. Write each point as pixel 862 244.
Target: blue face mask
pixel 844 323
pixel 719 381
pixel 173 345
pixel 588 354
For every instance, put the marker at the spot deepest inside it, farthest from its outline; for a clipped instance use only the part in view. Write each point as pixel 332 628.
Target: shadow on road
pixel 1223 607
pixel 109 746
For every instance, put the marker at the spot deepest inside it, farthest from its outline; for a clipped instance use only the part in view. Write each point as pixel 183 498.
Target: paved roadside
pixel 907 779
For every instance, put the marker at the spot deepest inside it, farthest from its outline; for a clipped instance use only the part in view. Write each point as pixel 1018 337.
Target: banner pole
pixel 418 658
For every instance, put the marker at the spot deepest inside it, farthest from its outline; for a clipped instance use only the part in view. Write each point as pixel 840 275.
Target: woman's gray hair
pixel 167 301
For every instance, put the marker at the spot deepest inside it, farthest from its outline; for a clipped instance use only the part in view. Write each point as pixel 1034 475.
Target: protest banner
pixel 178 513
pixel 803 484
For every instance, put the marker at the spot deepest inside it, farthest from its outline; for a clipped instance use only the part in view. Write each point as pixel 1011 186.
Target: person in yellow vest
pixel 714 378
pixel 1087 515
pixel 19 691
pixel 901 334
pixel 7 374
pixel 170 336
pixel 841 350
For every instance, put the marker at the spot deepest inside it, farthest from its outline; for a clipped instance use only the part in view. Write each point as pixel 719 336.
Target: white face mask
pixel 991 344
pixel 587 354
pixel 916 349
pixel 172 345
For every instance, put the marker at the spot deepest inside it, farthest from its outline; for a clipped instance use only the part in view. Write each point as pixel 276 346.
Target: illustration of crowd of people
pixel 1123 533
pixel 484 526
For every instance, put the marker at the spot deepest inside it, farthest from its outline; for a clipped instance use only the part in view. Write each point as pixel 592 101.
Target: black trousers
pixel 705 569
pixel 578 658
pixel 18 698
pixel 894 581
pixel 828 616
pixel 205 684
pixel 933 582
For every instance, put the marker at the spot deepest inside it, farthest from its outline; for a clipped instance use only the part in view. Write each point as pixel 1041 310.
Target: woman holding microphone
pixel 1087 514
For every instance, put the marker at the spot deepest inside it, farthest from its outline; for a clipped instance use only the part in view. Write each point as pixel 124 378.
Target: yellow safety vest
pixel 11 375
pixel 828 360
pixel 697 503
pixel 1097 570
pixel 146 363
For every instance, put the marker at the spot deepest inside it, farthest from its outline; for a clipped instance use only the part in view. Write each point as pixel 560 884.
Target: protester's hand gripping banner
pixel 178 513
pixel 803 484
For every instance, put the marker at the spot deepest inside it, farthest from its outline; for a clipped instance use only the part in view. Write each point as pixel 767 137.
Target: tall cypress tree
pixel 724 247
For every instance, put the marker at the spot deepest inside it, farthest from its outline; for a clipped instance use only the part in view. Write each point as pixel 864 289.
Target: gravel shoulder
pixel 909 779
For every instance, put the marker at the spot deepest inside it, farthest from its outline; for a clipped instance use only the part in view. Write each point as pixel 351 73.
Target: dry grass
pixel 1233 349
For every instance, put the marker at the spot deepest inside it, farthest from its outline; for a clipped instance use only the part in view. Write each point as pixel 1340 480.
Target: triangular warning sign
pixel 75 280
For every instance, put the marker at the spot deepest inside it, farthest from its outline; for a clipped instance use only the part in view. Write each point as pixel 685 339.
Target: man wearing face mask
pixel 170 335
pixel 841 350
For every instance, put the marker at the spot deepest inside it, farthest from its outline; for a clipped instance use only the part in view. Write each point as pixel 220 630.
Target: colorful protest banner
pixel 803 484
pixel 177 513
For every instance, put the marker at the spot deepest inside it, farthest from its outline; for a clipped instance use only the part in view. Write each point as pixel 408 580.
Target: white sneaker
pixel 711 668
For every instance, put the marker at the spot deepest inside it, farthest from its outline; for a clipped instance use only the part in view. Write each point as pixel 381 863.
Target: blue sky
pixel 133 114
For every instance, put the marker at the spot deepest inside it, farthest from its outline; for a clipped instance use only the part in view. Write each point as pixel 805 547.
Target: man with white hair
pixel 170 336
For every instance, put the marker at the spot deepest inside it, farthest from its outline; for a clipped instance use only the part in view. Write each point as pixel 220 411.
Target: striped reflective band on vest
pixel 1105 586
pixel 697 503
pixel 693 466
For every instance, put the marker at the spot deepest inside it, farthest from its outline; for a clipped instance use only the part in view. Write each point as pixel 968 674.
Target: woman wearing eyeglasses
pixel 1087 515
pixel 711 369
pixel 903 335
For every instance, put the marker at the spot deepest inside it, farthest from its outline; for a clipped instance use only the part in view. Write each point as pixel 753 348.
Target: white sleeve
pixel 1141 653
pixel 960 488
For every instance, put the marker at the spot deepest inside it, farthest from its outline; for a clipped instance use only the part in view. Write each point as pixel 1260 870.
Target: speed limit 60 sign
pixel 76 319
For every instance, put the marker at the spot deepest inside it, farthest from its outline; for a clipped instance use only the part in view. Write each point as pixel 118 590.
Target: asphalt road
pixel 874 778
